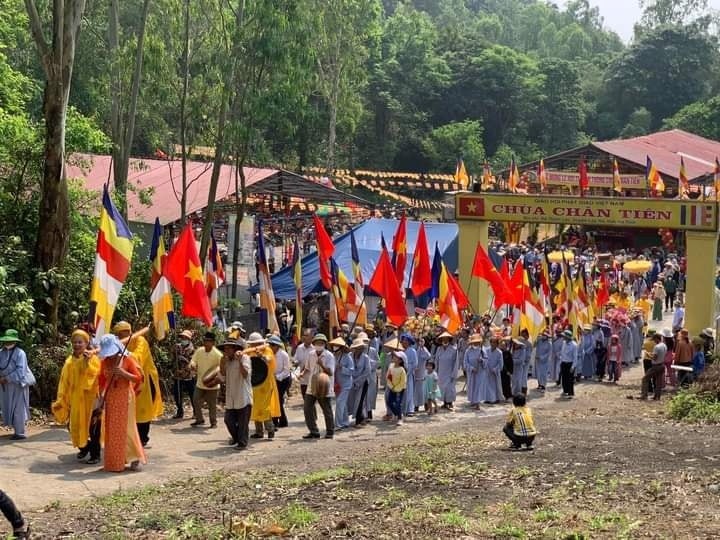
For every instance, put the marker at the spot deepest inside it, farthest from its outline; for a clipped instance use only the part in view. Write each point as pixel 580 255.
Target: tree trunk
pixel 240 205
pixel 332 136
pixel 183 113
pixel 116 123
pixel 54 212
pixel 124 142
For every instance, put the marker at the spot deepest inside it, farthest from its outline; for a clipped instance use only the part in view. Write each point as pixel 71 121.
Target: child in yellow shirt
pixel 396 383
pixel 520 425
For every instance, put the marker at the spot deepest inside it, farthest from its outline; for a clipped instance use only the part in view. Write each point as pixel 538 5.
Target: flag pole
pixel 357 314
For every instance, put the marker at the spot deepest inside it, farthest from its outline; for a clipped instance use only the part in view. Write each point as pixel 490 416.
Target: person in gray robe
pixel 518 382
pixel 423 355
pixel 557 345
pixel 473 363
pixel 587 350
pixel 411 362
pixel 528 350
pixel 15 381
pixel 627 343
pixel 360 383
pixel 447 369
pixel 543 354
pixel 492 391
pixel 371 398
pixel 638 326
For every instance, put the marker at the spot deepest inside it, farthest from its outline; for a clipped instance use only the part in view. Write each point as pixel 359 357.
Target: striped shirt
pixel 522 420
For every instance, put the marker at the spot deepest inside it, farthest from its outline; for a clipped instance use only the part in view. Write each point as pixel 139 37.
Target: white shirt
pixel 328 360
pixel 282 365
pixel 302 355
pixel 678 317
pixel 238 389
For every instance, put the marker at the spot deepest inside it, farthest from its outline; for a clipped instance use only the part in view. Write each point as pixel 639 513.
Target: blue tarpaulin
pixel 367 237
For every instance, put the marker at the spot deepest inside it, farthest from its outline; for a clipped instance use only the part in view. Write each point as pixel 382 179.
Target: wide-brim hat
pixel 408 337
pixel 587 327
pixel 708 332
pixel 275 340
pixel 255 339
pixel 10 336
pixel 475 338
pixel 444 335
pixel 109 346
pixel 358 343
pixel 567 334
pixel 394 345
pixel 400 354
pixel 186 334
pixel 338 342
pixel 237 343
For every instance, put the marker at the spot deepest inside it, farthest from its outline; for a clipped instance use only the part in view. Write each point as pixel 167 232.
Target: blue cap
pixel 408 337
pixel 110 346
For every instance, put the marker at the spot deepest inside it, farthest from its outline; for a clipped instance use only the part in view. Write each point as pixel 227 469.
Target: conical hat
pixel 445 334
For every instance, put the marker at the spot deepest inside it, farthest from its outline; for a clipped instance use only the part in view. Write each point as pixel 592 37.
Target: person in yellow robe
pixel 266 400
pixel 645 305
pixel 77 392
pixel 149 403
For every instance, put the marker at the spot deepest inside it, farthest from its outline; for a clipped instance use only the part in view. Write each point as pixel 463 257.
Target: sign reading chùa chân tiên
pixel 605 211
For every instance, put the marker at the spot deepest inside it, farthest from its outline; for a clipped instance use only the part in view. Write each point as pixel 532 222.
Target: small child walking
pixel 519 425
pixel 431 390
pixel 614 356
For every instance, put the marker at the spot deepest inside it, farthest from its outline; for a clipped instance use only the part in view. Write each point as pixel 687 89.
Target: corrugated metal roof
pixel 160 181
pixel 665 149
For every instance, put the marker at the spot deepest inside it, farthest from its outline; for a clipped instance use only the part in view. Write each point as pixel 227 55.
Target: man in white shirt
pixel 302 355
pixel 568 362
pixel 678 317
pixel 657 369
pixel 283 376
pixel 321 365
pixel 235 369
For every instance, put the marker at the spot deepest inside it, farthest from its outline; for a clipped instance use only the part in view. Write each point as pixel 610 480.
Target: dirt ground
pixel 604 467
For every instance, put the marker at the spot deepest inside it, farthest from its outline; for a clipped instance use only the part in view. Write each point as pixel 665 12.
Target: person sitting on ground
pixel 20 527
pixel 520 425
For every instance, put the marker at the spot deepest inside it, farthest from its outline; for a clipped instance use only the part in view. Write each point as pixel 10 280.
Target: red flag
pixel 326 249
pixel 384 283
pixel 602 293
pixel 584 180
pixel 421 280
pixel 484 268
pixel 516 286
pixel 461 299
pixel 399 248
pixel 184 272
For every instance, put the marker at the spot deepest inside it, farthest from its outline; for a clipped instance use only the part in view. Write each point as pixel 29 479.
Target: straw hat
pixel 358 343
pixel 666 332
pixel 394 345
pixel 186 334
pixel 255 339
pixel 445 334
pixel 275 340
pixel 237 343
pixel 707 332
pixel 475 339
pixel 338 342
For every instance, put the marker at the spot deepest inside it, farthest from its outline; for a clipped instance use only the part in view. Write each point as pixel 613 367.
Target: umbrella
pixel 637 267
pixel 557 256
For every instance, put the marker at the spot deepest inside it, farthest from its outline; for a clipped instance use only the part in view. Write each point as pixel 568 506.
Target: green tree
pixel 638 124
pixel 447 143
pixel 701 118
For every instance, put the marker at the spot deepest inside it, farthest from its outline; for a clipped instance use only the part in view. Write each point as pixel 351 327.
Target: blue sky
pixel 621 15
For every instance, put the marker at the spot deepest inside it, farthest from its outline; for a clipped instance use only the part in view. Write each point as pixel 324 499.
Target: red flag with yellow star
pixel 185 274
pixel 399 256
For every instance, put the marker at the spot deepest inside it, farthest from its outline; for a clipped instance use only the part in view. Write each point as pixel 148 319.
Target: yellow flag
pixel 461 175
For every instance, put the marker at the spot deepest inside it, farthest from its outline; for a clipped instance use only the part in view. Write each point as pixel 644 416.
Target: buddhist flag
pixel 184 272
pixel 420 281
pixel 448 306
pixel 358 282
pixel 160 296
pixel 326 249
pixel 514 178
pixel 617 185
pixel 654 180
pixel 112 263
pixel 532 314
pixel 486 177
pixel 584 180
pixel 716 179
pixel 399 249
pixel 297 279
pixel 461 175
pixel 384 284
pixel 214 272
pixel 683 184
pixel 267 296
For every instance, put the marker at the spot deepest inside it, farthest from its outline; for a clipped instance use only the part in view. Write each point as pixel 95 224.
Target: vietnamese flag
pixel 602 291
pixel 384 283
pixel 517 289
pixel 483 268
pixel 462 300
pixel 399 248
pixel 421 282
pixel 584 180
pixel 326 249
pixel 184 272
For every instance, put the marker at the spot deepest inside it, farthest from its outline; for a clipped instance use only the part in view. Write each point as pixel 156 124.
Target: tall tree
pixel 57 57
pixel 122 122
